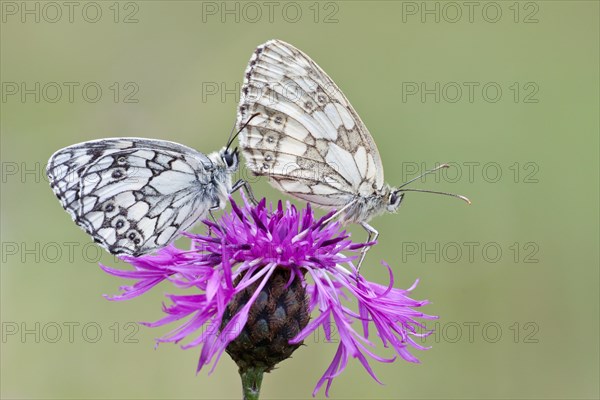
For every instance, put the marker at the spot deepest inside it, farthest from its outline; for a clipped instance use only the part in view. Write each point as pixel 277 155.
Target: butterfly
pixel 135 195
pixel 298 128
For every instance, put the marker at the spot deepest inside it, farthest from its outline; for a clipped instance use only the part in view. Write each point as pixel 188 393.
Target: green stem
pixel 251 381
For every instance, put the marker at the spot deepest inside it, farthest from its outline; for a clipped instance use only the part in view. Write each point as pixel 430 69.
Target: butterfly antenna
pixel 424 173
pixel 232 136
pixel 458 196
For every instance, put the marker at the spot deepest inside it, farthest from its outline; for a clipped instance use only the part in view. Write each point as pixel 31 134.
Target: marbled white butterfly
pixel 307 138
pixel 135 195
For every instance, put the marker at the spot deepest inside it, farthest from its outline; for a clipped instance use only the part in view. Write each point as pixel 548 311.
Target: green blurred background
pixel 522 323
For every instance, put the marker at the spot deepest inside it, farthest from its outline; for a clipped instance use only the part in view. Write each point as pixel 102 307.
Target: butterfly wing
pixel 306 137
pixel 132 195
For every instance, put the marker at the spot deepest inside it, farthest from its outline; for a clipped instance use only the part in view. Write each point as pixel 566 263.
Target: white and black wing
pixel 306 137
pixel 132 195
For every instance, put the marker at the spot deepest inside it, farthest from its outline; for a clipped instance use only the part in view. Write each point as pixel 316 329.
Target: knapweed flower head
pixel 259 274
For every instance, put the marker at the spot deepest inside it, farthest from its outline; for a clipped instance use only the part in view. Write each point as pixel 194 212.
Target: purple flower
pixel 249 248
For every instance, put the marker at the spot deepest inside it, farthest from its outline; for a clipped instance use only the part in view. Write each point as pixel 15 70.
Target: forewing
pixel 132 195
pixel 306 137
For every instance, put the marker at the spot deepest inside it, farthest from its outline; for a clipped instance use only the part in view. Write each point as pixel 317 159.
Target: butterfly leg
pixel 243 184
pixel 371 232
pixel 212 216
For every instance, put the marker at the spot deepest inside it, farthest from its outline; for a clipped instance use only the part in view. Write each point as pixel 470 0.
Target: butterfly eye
pixel 395 199
pixel 230 159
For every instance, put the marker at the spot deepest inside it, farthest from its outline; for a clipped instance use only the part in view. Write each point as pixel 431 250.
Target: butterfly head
pixel 394 199
pixel 230 158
